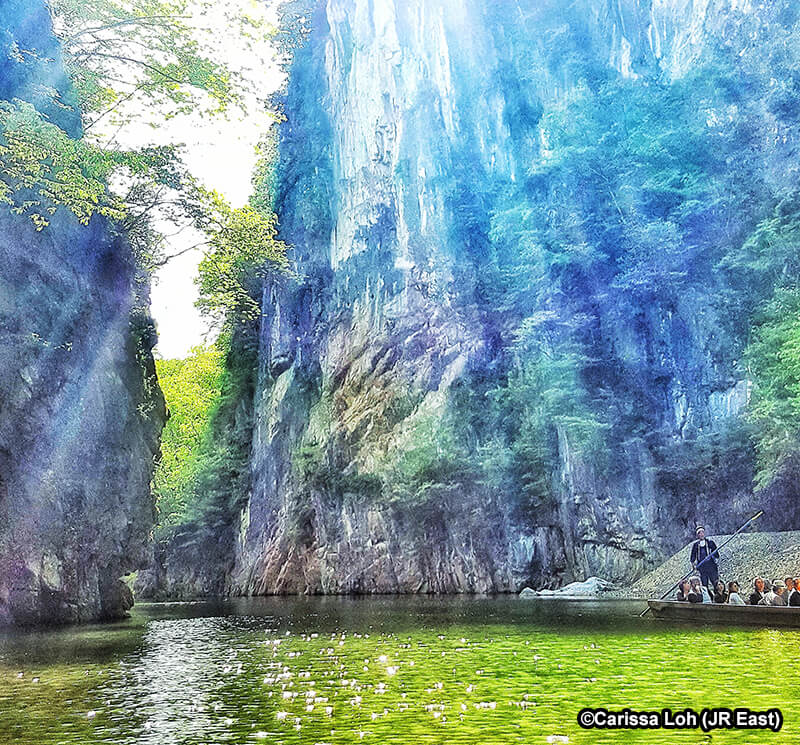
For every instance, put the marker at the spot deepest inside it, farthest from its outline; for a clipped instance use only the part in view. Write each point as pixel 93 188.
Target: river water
pixel 385 670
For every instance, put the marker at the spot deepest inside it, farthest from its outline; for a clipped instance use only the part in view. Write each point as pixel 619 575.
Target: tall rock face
pixel 507 360
pixel 80 408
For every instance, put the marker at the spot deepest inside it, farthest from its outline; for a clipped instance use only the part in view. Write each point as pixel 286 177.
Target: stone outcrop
pixel 80 408
pixel 592 587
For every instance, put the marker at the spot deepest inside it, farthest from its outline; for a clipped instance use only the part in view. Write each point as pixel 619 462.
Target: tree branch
pixel 183 251
pixel 141 21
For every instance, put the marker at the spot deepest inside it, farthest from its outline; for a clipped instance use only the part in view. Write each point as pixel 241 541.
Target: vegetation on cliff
pixel 649 197
pixel 203 476
pixel 632 267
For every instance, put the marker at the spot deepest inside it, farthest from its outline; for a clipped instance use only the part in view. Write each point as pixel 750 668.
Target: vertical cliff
pixel 534 242
pixel 80 408
pixel 508 359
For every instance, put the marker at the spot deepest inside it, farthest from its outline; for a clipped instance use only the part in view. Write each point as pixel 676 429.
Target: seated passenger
pixel 779 590
pixel 794 598
pixel 684 588
pixel 773 596
pixel 696 592
pixel 734 598
pixel 720 593
pixel 758 592
pixel 789 586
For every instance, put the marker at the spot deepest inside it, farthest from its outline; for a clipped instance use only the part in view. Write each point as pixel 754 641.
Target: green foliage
pixel 544 406
pixel 41 167
pixel 649 199
pixel 265 174
pixel 773 357
pixel 192 389
pixel 223 478
pixel 204 474
pixel 163 47
pixel 765 265
pixel 435 464
pixel 243 251
pixel 769 256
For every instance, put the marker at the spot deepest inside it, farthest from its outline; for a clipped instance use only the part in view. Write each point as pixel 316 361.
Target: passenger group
pixel 707 587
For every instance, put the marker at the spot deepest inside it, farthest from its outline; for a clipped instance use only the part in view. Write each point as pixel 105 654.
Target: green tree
pixel 243 251
pixel 125 56
pixel 192 388
pixel 41 168
pixel 124 59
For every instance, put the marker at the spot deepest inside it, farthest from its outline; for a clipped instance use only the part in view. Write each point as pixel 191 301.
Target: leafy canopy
pixel 152 53
pixel 125 59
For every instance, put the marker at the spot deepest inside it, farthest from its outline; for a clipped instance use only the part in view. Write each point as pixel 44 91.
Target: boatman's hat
pixel 699 528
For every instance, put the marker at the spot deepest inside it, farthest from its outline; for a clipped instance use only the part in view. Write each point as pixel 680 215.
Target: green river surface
pixel 385 670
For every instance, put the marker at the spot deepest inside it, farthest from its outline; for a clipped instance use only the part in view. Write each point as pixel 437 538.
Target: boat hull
pixel 751 615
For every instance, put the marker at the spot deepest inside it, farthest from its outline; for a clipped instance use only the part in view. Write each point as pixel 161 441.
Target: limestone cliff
pixel 407 122
pixel 80 409
pixel 512 353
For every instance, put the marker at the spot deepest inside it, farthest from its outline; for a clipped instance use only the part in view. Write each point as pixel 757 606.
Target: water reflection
pixel 381 670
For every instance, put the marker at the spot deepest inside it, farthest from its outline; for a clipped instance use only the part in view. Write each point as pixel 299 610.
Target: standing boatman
pixel 701 548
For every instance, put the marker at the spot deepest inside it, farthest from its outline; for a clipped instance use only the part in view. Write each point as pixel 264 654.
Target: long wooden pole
pixel 694 569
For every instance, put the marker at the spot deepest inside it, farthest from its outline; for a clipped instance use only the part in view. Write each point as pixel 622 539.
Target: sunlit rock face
pixel 80 409
pixel 407 124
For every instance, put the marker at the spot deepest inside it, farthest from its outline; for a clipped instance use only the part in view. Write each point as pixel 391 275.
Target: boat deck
pixel 756 615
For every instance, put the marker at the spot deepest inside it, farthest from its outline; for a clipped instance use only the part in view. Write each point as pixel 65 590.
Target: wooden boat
pixel 752 615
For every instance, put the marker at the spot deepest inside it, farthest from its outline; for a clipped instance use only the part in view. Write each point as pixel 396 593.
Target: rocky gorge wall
pixel 80 408
pixel 476 382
